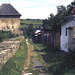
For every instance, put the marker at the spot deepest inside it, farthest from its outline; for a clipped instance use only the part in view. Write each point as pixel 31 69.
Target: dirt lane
pixel 33 61
pixel 28 58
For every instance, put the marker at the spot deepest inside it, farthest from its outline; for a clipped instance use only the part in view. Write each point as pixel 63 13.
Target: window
pixel 68 28
pixel 66 32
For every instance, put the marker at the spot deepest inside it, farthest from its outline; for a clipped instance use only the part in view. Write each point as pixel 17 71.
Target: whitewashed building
pixel 67 38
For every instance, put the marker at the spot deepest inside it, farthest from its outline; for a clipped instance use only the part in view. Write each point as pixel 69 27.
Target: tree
pixel 45 23
pixel 30 30
pixel 53 22
pixel 70 7
pixel 73 3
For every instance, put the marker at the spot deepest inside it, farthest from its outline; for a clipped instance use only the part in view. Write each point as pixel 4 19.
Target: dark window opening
pixel 12 26
pixel 66 32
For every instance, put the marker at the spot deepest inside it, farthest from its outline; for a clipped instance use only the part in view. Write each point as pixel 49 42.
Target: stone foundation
pixel 7 50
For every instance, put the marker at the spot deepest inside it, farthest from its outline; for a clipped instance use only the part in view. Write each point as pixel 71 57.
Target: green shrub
pixel 6 35
pixel 59 62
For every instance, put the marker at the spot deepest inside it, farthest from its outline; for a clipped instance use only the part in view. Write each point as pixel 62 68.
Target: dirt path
pixel 36 64
pixel 28 58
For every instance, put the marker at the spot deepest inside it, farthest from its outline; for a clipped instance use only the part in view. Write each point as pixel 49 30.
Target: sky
pixel 36 9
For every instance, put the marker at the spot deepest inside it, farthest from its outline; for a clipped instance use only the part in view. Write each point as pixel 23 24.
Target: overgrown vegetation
pixel 30 25
pixel 6 35
pixel 58 62
pixel 14 66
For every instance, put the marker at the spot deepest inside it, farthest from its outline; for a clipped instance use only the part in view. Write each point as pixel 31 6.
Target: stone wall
pixel 9 23
pixel 7 50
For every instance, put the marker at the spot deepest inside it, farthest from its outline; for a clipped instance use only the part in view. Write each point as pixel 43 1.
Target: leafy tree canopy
pixel 53 22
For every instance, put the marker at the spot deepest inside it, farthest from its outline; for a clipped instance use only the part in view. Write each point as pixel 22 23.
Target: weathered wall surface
pixel 57 40
pixel 9 23
pixel 7 50
pixel 71 39
pixel 66 39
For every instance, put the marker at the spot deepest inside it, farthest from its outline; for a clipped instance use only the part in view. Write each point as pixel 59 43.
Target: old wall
pixel 7 50
pixel 71 39
pixel 9 23
pixel 64 39
pixel 57 40
pixel 49 39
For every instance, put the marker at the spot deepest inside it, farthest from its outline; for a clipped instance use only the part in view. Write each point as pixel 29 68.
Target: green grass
pixel 14 66
pixel 58 62
pixel 31 21
pixel 37 51
pixel 34 22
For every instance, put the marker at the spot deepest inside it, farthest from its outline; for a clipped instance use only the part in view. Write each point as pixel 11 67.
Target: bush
pixel 70 58
pixel 6 35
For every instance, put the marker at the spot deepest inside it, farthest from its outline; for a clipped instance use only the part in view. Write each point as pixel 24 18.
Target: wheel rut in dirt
pixel 36 64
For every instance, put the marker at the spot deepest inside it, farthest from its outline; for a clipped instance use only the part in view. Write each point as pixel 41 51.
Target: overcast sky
pixel 36 9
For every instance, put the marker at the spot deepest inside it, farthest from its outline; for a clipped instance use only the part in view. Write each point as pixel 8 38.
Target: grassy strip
pixel 38 52
pixel 14 66
pixel 38 48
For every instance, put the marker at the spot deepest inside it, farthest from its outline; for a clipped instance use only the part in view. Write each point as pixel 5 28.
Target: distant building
pixel 9 18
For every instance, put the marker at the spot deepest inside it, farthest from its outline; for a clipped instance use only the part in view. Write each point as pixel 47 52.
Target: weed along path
pixel 33 65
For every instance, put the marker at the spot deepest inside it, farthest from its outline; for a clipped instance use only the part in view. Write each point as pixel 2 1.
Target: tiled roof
pixel 8 9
